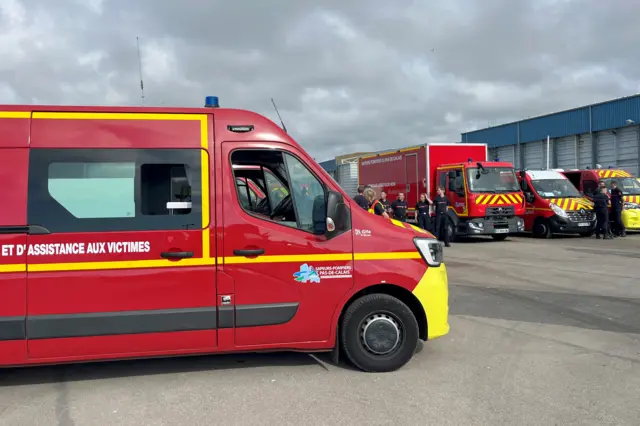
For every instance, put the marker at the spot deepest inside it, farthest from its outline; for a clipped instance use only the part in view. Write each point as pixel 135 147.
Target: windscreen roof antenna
pixel 140 68
pixel 278 112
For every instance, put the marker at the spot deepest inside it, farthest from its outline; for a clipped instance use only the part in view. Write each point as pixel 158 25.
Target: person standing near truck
pixel 399 208
pixel 360 199
pixel 385 203
pixel 601 206
pixel 617 202
pixel 422 211
pixel 376 206
pixel 442 217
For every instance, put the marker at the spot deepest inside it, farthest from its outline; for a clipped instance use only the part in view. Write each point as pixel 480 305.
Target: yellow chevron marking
pixel 397 223
pixel 612 173
pixel 570 204
pixel 499 199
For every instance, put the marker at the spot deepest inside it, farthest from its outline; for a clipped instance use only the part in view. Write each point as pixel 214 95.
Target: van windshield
pixel 555 188
pixel 629 185
pixel 492 179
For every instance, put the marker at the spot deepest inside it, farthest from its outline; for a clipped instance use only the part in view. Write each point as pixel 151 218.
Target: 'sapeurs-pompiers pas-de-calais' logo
pixel 306 274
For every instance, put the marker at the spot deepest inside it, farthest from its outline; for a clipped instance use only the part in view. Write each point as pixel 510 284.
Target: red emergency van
pixel 125 233
pixel 554 205
pixel 587 181
pixel 484 195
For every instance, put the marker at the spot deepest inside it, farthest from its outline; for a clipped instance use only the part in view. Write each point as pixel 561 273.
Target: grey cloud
pixel 347 76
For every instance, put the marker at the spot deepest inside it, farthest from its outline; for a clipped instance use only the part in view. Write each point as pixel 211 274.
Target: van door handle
pixel 176 254
pixel 249 252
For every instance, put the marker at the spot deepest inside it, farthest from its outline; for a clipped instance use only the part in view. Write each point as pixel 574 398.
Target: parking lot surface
pixel 543 332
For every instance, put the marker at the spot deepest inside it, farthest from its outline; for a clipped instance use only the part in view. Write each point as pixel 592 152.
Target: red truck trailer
pixel 485 196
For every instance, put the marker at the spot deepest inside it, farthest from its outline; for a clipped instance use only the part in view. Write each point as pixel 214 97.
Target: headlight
pixel 631 206
pixel 430 250
pixel 557 210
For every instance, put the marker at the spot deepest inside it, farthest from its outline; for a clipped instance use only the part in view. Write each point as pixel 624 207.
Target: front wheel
pixel 379 333
pixel 499 237
pixel 541 228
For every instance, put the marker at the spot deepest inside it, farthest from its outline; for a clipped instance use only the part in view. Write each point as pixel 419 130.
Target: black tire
pixel 541 228
pixel 451 230
pixel 499 237
pixel 391 314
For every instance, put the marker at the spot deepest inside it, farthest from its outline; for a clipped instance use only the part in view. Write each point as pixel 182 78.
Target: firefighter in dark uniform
pixel 442 217
pixel 399 208
pixel 385 203
pixel 376 206
pixel 617 202
pixel 601 206
pixel 422 211
pixel 360 199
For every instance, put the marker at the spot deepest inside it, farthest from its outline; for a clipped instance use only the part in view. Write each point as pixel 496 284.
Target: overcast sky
pixel 350 75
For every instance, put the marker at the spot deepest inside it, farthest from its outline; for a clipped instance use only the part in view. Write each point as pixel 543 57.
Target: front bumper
pixel 631 219
pixel 433 294
pixel 566 226
pixel 491 226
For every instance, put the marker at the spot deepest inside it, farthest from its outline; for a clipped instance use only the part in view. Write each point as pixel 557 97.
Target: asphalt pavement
pixel 543 332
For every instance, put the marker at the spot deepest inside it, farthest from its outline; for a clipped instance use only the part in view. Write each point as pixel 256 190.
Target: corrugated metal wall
pixel 627 149
pixel 566 152
pixel 348 178
pixel 606 149
pixel 533 155
pixel 507 153
pixel 585 151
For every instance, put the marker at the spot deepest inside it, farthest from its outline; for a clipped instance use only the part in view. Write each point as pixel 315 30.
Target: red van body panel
pixel 71 294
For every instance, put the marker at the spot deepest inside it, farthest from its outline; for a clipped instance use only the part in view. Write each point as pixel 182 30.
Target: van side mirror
pixel 334 219
pixel 529 197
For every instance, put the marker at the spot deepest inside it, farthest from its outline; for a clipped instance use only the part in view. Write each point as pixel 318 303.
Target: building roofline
pixel 554 113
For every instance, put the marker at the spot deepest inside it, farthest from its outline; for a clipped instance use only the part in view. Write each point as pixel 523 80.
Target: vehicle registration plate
pixel 500 231
pixel 583 224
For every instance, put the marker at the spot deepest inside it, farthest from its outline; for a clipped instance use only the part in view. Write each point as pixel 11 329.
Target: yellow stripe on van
pixel 15 114
pixel 186 263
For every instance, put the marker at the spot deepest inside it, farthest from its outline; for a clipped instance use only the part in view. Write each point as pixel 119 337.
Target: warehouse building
pixel 344 170
pixel 607 134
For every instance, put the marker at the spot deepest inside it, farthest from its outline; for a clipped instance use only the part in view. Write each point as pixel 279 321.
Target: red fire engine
pixel 485 196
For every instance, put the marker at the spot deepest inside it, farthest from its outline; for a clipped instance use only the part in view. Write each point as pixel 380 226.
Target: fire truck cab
pixel 146 232
pixel 485 198
pixel 554 205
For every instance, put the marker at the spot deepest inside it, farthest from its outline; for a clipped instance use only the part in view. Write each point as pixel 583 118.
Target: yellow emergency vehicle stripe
pixel 632 199
pixel 15 114
pixel 185 263
pixel 572 204
pixel 499 199
pixel 608 173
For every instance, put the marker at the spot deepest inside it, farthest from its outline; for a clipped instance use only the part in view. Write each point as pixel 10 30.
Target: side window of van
pixel 589 187
pixel 292 192
pixel 100 190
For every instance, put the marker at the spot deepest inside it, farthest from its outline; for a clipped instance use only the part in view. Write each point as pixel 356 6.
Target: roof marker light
pixel 211 102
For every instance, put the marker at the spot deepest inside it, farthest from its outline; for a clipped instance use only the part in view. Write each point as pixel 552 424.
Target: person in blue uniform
pixel 422 211
pixel 442 217
pixel 400 207
pixel 601 206
pixel 385 203
pixel 617 203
